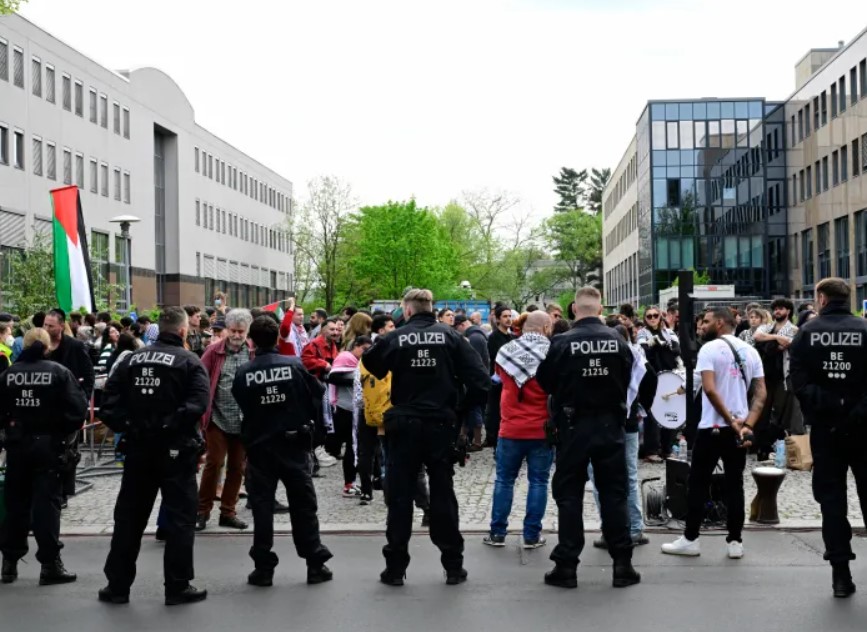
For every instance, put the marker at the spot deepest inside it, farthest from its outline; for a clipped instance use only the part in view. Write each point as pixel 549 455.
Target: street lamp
pixel 125 221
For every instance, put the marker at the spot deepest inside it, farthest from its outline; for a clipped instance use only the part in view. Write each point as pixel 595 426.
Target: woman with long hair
pixel 358 325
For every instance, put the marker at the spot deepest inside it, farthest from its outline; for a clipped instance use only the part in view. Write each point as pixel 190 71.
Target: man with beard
pixel 782 413
pixel 728 367
pixel 501 335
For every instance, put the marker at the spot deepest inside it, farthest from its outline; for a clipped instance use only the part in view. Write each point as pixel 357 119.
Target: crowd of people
pixel 251 399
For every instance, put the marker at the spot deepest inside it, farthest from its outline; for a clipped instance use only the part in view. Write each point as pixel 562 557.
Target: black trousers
pixel 367 440
pixel 343 434
pixel 707 450
pixel 492 414
pixel 288 463
pixel 598 440
pixel 148 470
pixel 33 492
pixel 834 452
pixel 413 442
pixel 657 440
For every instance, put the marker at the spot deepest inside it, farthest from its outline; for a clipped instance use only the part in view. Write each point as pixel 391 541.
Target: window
pixel 67 166
pixel 802 184
pixel 800 126
pixel 856 157
pixel 79 98
pixel 807 256
pixel 833 100
pixel 103 111
pixel 210 166
pixel 861 243
pixel 19 149
pixel 92 101
pixel 117 184
pixel 862 77
pixel 103 176
pixel 37 156
pixel 4 145
pixel 94 176
pixel 816 119
pixel 223 172
pixel 100 265
pixel 809 182
pixel 823 99
pixel 806 120
pixel 818 167
pixel 18 67
pixel 863 152
pixel 51 161
pixel 841 246
pixel 36 76
pixel 4 60
pixel 842 93
pixel 671 135
pixel 218 220
pixel 116 112
pixel 198 213
pixel 224 222
pixel 844 163
pixel 835 168
pixel 126 123
pixel 79 170
pixel 825 173
pixel 49 83
pixel 211 216
pixel 120 269
pixel 67 93
pixel 853 85
pixel 823 250
pixel 127 186
pixel 196 158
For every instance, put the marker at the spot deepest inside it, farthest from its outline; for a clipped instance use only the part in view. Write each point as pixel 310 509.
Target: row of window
pixel 44 163
pixel 232 224
pixel 43 80
pixel 809 120
pixel 624 227
pixel 824 260
pixel 621 282
pixel 212 167
pixel 830 171
pixel 629 175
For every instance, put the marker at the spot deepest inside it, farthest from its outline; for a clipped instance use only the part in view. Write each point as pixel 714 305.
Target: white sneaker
pixel 735 550
pixel 325 459
pixel 682 546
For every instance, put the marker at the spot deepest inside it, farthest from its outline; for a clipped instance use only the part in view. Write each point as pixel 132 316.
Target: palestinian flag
pixel 72 276
pixel 275 307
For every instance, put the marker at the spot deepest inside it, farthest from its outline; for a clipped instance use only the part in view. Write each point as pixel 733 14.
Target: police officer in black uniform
pixel 279 402
pixel 587 373
pixel 428 361
pixel 829 376
pixel 156 397
pixel 40 405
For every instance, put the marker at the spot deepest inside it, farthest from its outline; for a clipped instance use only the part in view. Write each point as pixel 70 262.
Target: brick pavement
pixel 91 511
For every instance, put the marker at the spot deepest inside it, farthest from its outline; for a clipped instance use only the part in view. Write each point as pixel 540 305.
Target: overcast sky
pixel 427 99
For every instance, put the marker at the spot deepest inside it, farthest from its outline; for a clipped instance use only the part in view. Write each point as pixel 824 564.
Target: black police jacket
pixel 73 354
pixel 276 395
pixel 40 397
pixel 428 362
pixel 588 369
pixel 158 393
pixel 828 366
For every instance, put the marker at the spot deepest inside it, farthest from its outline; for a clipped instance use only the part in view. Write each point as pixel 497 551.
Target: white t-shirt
pixel 717 356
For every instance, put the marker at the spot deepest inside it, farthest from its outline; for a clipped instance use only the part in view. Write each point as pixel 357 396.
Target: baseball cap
pixel 460 319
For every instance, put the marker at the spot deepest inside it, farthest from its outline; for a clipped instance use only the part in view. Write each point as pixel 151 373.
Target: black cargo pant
pixel 413 442
pixel 149 469
pixel 33 493
pixel 598 440
pixel 288 462
pixel 834 452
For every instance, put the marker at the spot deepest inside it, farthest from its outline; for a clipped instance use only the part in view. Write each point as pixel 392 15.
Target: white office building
pixel 212 217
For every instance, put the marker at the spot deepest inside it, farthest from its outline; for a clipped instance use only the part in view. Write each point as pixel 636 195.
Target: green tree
pixel 29 286
pixel 10 6
pixel 598 181
pixel 575 239
pixel 571 187
pixel 521 275
pixel 396 245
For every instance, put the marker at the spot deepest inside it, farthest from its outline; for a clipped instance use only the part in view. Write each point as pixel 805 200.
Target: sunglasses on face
pixel 652 316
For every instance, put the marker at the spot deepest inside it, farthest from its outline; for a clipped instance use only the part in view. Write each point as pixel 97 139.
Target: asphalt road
pixel 781 584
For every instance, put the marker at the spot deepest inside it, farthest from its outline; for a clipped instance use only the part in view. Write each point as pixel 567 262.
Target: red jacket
pixel 524 411
pixel 213 359
pixel 317 355
pixel 284 345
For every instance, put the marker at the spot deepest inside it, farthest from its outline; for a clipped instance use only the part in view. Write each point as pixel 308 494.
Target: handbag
pixel 799 455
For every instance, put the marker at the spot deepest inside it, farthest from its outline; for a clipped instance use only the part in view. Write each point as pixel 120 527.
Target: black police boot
pixel 625 575
pixel 562 576
pixel 160 535
pixel 111 595
pixel 55 573
pixel 392 577
pixel 319 574
pixel 842 580
pixel 10 570
pixel 456 576
pixel 263 577
pixel 190 594
pixel 201 522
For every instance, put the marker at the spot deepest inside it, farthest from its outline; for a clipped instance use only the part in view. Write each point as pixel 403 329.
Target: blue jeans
pixel 511 453
pixel 633 500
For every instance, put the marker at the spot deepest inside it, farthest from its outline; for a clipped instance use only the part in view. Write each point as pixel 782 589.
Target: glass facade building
pixel 712 195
